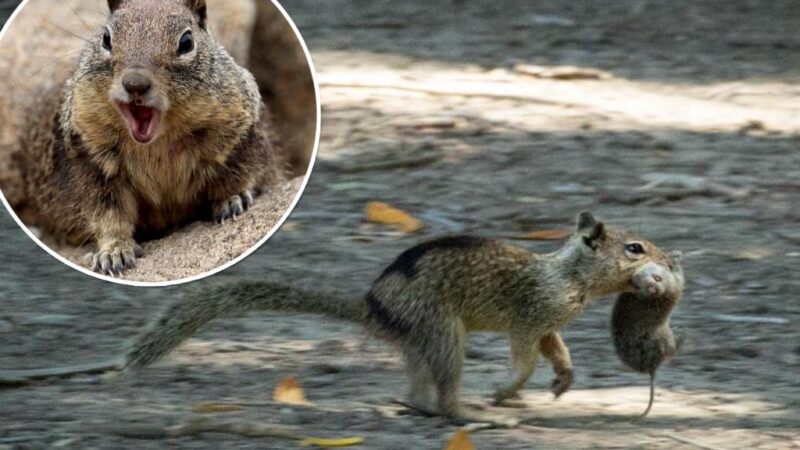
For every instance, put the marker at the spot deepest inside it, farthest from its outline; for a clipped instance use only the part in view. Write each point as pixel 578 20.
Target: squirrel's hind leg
pixel 445 358
pixel 422 391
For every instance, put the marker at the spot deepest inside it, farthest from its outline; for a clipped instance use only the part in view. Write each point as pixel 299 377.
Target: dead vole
pixel 640 321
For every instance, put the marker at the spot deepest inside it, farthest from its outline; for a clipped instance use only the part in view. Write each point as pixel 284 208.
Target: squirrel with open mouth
pixel 157 126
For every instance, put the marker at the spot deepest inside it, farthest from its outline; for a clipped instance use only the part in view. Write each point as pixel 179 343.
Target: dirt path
pixel 693 142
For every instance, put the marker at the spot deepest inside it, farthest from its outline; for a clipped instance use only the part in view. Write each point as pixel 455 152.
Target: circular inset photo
pixel 154 142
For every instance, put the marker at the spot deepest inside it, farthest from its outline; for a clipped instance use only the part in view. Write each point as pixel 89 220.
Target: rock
pixel 571 189
pixel 704 281
pixel 747 352
pixel 324 369
pixel 51 319
pixel 552 19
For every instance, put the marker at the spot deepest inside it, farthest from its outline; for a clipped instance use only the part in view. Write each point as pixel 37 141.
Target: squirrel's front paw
pixel 114 259
pixel 232 207
pixel 562 382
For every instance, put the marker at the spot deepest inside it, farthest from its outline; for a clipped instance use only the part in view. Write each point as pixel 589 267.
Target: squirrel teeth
pixel 142 121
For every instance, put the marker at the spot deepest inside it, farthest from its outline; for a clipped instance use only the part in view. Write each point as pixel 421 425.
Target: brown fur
pixel 87 179
pixel 434 293
pixel 279 64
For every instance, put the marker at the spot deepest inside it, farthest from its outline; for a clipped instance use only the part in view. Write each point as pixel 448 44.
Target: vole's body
pixel 434 293
pixel 640 327
pixel 145 135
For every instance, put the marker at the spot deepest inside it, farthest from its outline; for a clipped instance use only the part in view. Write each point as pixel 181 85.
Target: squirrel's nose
pixel 136 83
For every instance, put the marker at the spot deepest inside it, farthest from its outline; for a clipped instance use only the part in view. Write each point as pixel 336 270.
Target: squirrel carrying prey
pixel 156 127
pixel 640 328
pixel 434 293
pixel 431 296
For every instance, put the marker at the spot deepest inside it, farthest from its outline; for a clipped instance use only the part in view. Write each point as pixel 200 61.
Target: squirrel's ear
pixel 199 7
pixel 584 221
pixel 591 230
pixel 113 5
pixel 594 235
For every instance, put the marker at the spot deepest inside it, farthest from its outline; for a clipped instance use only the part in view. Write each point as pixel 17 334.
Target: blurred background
pixel 675 119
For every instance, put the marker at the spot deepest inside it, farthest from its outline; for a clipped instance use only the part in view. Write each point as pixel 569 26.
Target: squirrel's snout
pixel 137 83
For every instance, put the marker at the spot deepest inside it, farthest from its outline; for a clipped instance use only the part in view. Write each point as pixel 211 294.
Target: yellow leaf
pixel 289 391
pixel 460 441
pixel 379 212
pixel 547 235
pixel 341 442
pixel 212 407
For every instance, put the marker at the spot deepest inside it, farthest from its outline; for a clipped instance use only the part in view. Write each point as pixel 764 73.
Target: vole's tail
pixel 652 395
pixel 181 319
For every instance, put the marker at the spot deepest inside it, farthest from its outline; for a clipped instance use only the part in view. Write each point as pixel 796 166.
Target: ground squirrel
pixel 640 328
pixel 157 126
pixel 434 293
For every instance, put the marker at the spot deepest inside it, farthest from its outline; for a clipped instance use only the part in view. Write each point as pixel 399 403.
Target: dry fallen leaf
pixel 379 212
pixel 212 407
pixel 328 443
pixel 289 391
pixel 460 441
pixel 547 235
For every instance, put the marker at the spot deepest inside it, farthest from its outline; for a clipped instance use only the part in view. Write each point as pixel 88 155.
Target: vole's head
pixel 657 278
pixel 143 64
pixel 608 258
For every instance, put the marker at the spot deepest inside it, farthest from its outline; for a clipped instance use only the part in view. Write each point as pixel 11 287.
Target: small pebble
pixel 51 319
pixel 571 189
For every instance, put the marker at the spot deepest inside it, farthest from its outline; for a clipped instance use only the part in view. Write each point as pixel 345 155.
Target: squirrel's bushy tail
pixel 181 319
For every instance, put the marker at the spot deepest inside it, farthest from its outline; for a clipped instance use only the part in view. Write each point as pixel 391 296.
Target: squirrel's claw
pixel 233 207
pixel 247 199
pixel 116 260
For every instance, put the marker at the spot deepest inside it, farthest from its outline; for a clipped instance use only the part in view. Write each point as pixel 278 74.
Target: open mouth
pixel 142 120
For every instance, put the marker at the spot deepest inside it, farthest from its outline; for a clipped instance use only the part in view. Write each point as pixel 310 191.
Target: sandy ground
pixel 201 247
pixel 422 110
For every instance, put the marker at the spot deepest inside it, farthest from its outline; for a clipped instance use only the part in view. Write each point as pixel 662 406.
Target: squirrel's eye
pixel 107 40
pixel 186 44
pixel 635 248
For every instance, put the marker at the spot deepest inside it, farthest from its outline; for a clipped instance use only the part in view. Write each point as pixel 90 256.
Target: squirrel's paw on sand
pixel 116 258
pixel 233 207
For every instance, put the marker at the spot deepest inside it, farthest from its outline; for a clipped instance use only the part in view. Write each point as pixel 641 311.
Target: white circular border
pixel 247 252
